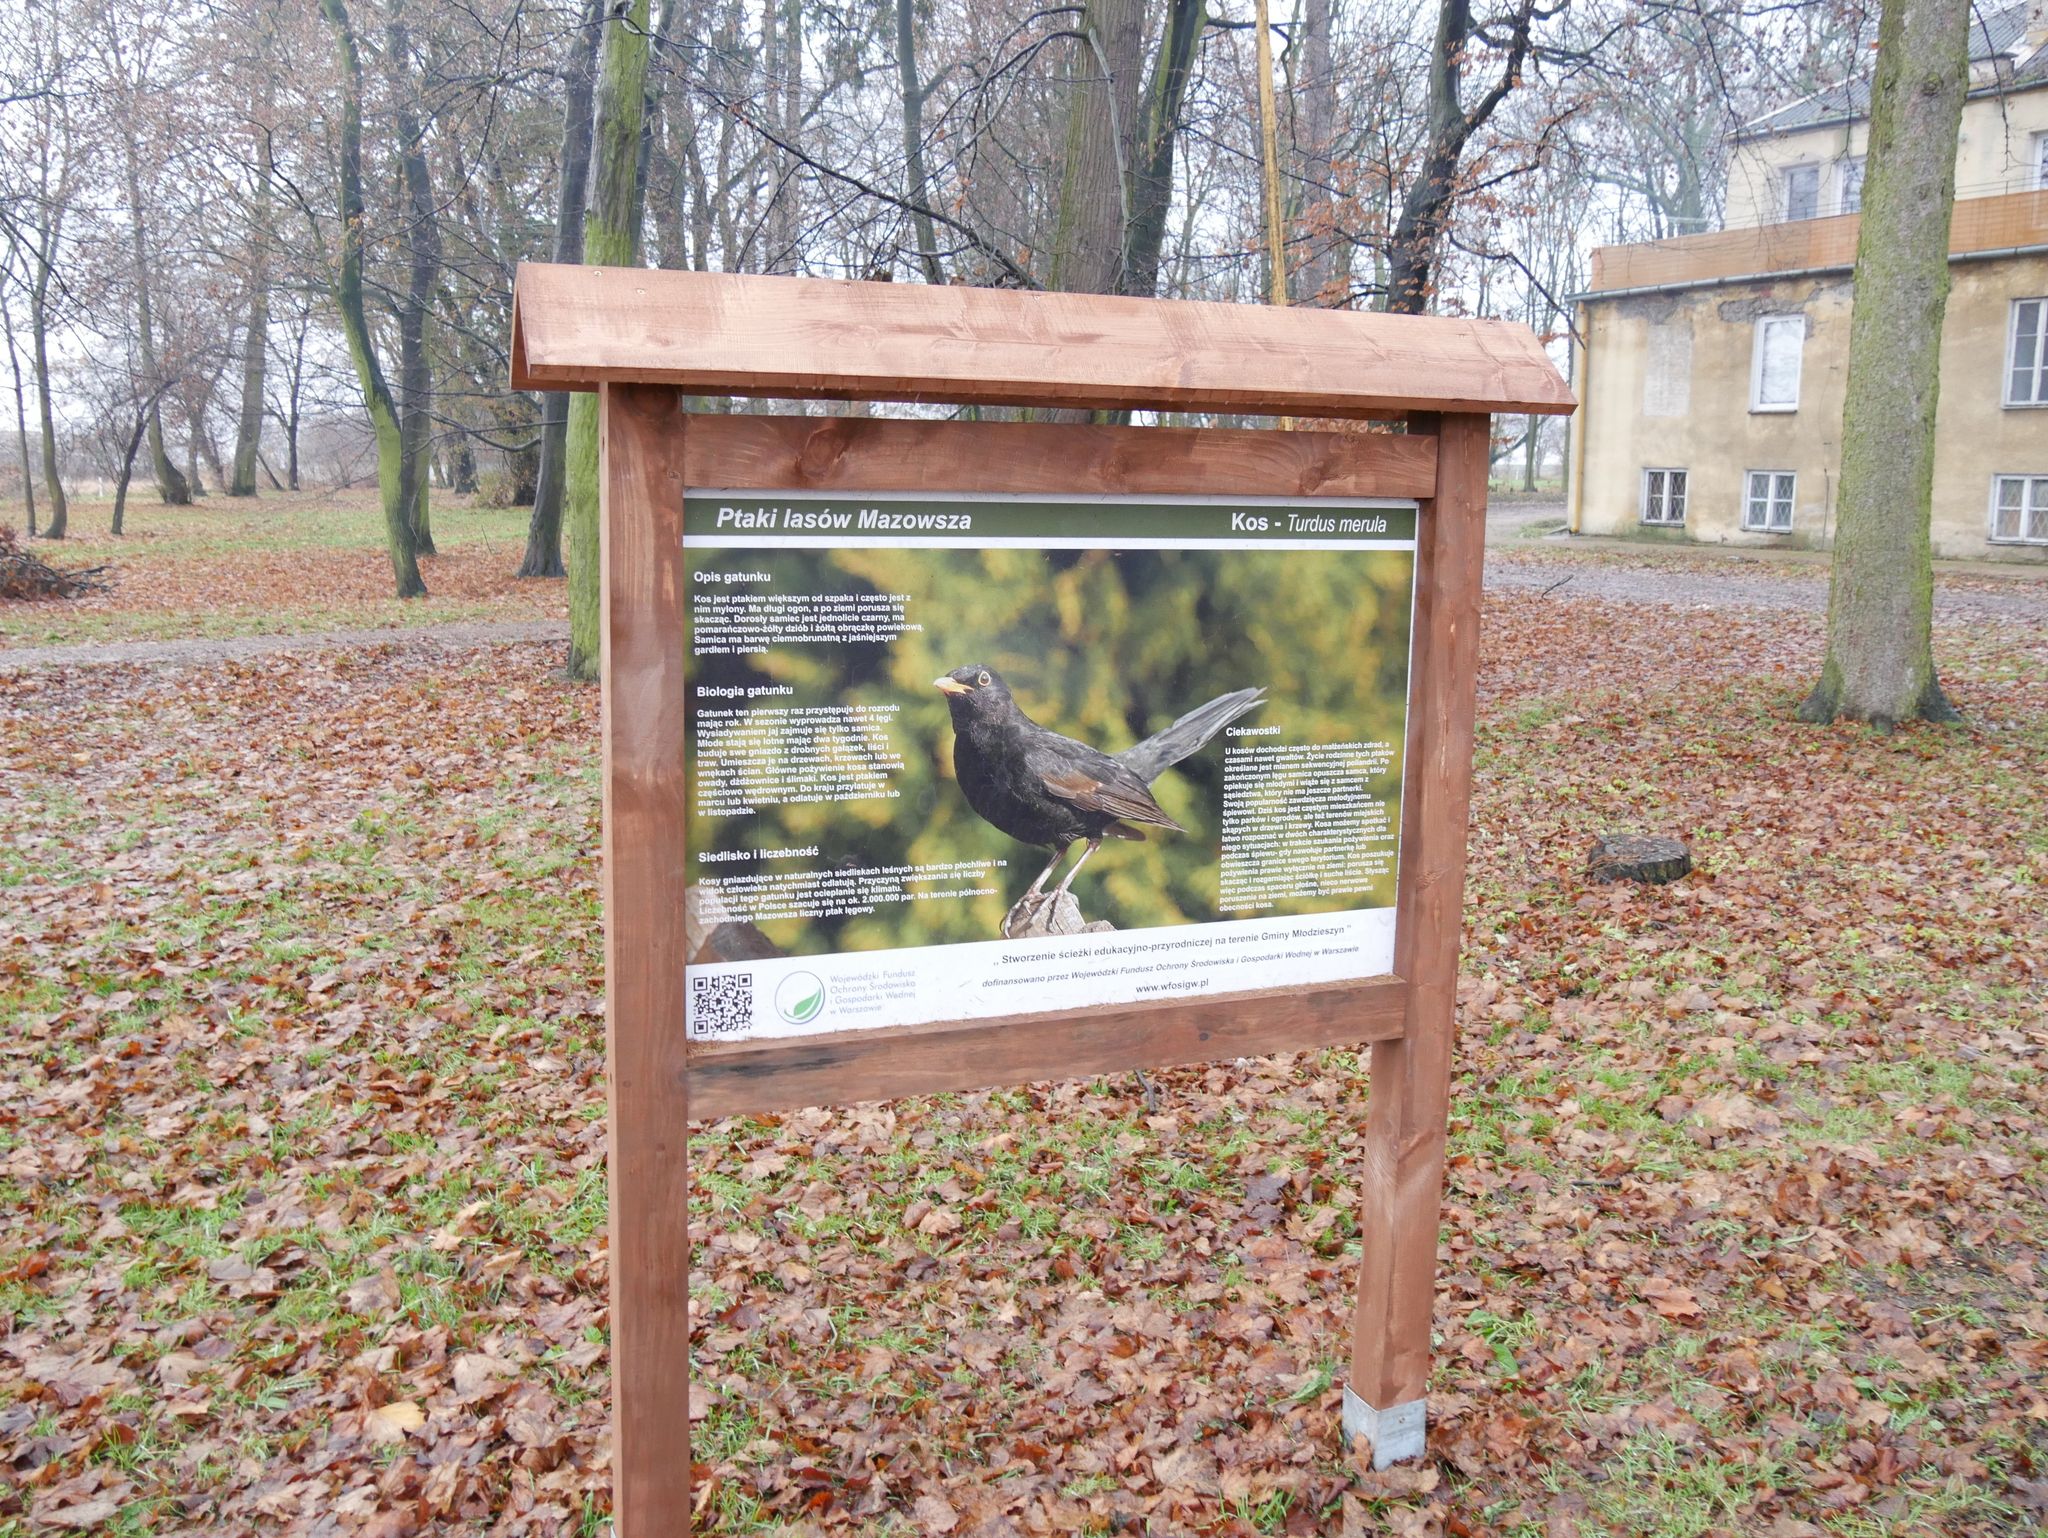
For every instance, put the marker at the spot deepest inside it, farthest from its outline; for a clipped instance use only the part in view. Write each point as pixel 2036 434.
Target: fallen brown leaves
pixel 301 1136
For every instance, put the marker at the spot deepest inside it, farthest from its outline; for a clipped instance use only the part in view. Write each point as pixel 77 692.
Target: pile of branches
pixel 24 574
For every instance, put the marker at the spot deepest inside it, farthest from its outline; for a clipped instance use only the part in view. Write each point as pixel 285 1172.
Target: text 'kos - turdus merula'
pixel 1045 789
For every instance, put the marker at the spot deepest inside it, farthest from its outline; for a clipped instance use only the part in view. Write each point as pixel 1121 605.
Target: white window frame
pixel 1842 167
pixel 2012 348
pixel 2040 166
pixel 1664 498
pixel 1764 324
pixel 1785 176
pixel 2033 509
pixel 1781 490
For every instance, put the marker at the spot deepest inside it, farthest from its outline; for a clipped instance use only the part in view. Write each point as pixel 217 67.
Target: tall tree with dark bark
pixel 1322 275
pixel 1094 202
pixel 1433 194
pixel 1880 655
pixel 911 91
pixel 1155 141
pixel 611 237
pixel 543 556
pixel 422 241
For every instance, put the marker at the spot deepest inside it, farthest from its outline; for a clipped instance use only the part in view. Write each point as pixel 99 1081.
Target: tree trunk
pixel 1094 207
pixel 355 325
pixel 28 475
pixel 171 484
pixel 609 239
pixel 59 507
pixel 127 473
pixel 415 398
pixel 1529 454
pixel 256 340
pixel 1315 132
pixel 1880 654
pixel 915 188
pixel 543 556
pixel 1158 135
pixel 1426 211
pixel 1427 208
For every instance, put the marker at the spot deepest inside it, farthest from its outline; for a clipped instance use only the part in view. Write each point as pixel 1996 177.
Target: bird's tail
pixel 1160 752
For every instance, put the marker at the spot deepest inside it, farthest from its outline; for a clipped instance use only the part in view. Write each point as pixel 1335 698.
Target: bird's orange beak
pixel 951 686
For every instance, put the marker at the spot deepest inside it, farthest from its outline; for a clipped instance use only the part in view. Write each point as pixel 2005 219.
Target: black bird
pixel 1045 789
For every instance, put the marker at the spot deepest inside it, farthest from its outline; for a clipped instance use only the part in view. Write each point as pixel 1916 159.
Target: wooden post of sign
pixel 640 480
pixel 1411 1075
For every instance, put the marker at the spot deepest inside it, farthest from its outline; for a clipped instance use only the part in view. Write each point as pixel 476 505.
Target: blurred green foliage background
pixel 1104 646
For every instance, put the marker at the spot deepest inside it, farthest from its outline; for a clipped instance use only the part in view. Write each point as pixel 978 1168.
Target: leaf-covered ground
pixel 297 562
pixel 301 1145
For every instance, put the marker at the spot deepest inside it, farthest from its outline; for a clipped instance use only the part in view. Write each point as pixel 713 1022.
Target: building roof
pixel 1995 35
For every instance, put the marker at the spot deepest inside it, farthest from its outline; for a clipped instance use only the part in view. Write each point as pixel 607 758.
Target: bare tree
pixel 543 556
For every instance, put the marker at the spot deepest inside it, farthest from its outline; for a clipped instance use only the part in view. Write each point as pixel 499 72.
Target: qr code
pixel 721 1004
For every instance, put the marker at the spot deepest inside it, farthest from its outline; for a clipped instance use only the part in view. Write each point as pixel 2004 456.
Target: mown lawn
pixel 305 561
pixel 301 1144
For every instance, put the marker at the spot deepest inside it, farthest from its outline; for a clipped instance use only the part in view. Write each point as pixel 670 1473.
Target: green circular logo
pixel 800 997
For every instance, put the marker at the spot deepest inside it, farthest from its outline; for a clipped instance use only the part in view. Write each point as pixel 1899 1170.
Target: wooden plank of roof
pixel 574 328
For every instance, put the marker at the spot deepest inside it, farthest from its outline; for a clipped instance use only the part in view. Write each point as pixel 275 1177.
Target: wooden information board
pixel 828 972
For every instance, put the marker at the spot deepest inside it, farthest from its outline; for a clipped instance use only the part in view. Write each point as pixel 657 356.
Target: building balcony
pixel 1982 227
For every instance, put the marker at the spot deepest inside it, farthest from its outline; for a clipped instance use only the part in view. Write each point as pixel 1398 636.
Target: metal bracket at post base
pixel 1396 1433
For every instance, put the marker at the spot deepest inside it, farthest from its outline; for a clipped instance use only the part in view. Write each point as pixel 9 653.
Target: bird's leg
pixel 1035 893
pixel 1068 880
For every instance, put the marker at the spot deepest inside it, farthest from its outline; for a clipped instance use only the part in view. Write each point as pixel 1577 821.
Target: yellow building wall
pixel 1716 438
pixel 1993 154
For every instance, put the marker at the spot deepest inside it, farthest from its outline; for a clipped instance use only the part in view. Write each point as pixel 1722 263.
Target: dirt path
pixel 206 651
pixel 1675 584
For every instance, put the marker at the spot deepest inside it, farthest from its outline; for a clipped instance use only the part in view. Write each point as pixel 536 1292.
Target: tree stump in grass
pixel 1637 857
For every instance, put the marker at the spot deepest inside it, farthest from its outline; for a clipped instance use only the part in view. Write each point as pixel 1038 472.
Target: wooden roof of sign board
pixel 574 328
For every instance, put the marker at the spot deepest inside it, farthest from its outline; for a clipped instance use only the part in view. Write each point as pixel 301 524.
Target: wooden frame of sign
pixel 644 339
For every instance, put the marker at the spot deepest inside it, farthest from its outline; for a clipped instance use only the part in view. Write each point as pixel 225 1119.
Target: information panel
pixel 957 758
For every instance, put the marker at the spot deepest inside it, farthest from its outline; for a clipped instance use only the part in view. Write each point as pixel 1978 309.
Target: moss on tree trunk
pixel 610 238
pixel 348 300
pixel 1880 651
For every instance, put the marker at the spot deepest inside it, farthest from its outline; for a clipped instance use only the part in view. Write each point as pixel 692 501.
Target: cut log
pixel 1637 857
pixel 716 934
pixel 1055 914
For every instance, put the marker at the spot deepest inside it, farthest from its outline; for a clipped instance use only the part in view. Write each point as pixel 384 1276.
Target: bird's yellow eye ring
pixel 982 681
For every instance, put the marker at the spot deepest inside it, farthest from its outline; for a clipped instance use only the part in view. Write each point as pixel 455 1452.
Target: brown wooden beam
pixel 743 334
pixel 749 1077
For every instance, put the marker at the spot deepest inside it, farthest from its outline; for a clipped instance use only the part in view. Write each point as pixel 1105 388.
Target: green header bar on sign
pixel 736 515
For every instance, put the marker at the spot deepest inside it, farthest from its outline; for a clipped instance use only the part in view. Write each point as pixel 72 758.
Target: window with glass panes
pixel 1776 352
pixel 2026 375
pixel 2019 509
pixel 1802 192
pixel 1851 198
pixel 1664 497
pixel 1767 504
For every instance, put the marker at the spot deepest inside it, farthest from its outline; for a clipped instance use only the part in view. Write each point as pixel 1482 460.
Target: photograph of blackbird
pixel 1045 789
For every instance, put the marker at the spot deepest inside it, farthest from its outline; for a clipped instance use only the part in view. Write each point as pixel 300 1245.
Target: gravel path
pixel 205 651
pixel 1695 585
pixel 1705 587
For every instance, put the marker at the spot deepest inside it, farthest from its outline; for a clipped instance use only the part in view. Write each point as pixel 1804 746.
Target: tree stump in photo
pixel 1641 857
pixel 1051 914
